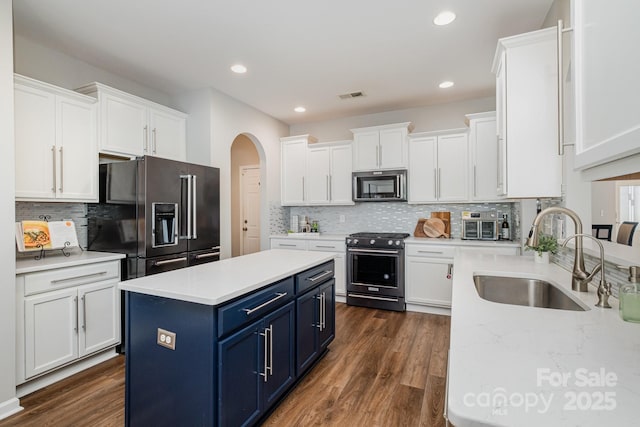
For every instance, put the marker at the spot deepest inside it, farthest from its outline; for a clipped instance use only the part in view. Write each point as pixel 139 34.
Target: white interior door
pixel 250 209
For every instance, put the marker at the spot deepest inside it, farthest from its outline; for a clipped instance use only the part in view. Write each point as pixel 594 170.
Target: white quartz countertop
pixel 524 366
pixel 217 282
pixel 309 236
pixel 460 242
pixel 55 259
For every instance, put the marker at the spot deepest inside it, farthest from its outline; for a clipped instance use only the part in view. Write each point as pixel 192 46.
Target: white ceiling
pixel 298 52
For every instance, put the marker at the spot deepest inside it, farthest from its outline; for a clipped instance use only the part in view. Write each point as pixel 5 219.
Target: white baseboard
pixel 62 373
pixel 10 407
pixel 428 309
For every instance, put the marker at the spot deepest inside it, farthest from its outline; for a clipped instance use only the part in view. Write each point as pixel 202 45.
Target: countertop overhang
pixel 526 366
pixel 55 259
pixel 218 282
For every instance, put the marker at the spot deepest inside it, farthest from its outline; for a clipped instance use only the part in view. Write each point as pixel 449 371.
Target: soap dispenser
pixel 630 297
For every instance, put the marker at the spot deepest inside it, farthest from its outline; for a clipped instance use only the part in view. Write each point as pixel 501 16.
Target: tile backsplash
pixel 56 211
pixel 392 217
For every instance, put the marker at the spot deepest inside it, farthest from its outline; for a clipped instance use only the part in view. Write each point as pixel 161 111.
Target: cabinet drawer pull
pixel 170 261
pixel 326 247
pixel 319 276
pixel 288 245
pixel 82 276
pixel 272 300
pixel 430 252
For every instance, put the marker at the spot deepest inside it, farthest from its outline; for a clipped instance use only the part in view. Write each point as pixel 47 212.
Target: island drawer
pixel 295 244
pixel 313 277
pixel 431 251
pixel 247 309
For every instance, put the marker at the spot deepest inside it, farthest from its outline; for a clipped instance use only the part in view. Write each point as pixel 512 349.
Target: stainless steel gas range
pixel 375 270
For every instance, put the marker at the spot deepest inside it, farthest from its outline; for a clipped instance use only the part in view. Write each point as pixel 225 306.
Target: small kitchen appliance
pixel 380 186
pixel 480 226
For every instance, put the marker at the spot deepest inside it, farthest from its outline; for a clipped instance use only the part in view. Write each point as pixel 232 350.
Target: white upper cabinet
pixel 483 156
pixel 315 174
pixel 380 147
pixel 438 167
pixel 527 115
pixel 329 174
pixel 55 143
pixel 131 126
pixel 607 67
pixel 293 151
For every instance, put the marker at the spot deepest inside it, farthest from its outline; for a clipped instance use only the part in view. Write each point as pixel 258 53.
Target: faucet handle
pixel 634 274
pixel 604 291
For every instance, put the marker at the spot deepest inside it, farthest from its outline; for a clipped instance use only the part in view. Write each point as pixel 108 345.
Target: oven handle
pixel 373 297
pixel 374 251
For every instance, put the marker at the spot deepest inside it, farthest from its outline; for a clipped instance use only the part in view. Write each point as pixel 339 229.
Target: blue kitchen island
pixel 222 343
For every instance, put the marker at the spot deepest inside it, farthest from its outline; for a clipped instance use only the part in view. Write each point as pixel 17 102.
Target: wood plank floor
pixel 383 369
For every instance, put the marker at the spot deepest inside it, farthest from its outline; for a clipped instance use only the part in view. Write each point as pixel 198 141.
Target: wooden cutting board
pixel 434 227
pixel 446 218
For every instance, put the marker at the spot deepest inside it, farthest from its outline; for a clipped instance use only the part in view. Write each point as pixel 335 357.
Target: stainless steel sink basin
pixel 523 291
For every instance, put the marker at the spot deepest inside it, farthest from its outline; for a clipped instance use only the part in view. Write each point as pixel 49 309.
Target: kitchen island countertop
pixel 218 282
pixel 526 366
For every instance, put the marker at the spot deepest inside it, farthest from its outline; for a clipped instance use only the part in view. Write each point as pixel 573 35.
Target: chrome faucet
pixel 604 288
pixel 579 278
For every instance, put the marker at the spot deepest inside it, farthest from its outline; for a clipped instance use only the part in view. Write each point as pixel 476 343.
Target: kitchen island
pixel 222 343
pixel 527 366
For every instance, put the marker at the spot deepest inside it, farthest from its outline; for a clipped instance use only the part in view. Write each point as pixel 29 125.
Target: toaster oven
pixel 480 226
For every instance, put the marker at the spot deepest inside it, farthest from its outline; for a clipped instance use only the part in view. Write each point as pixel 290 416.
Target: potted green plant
pixel 546 244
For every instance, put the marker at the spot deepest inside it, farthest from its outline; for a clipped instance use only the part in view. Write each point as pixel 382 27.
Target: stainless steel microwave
pixel 380 186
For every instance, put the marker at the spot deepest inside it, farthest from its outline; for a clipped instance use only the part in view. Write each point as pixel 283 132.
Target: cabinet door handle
pixel 328 196
pixel 61 170
pixel 154 143
pixel 272 300
pixel 53 152
pixel 380 159
pixel 475 182
pixel 330 187
pixel 319 324
pixel 84 313
pixel 324 311
pixel 265 343
pixel 146 138
pixel 75 301
pixel 561 143
pixel 303 189
pixel 320 276
pixel 270 349
pixel 435 183
pixel 439 184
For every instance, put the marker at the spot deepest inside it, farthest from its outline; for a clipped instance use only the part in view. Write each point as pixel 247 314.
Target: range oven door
pixel 375 271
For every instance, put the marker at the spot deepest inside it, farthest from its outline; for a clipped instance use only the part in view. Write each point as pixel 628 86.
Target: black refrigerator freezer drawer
pixel 165 263
pixel 203 257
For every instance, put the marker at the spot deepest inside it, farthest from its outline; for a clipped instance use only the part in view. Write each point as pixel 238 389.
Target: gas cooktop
pixel 376 235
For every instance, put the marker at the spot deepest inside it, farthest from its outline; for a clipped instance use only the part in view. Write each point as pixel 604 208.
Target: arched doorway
pixel 246 194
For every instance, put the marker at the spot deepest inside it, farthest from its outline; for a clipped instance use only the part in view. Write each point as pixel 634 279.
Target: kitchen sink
pixel 524 291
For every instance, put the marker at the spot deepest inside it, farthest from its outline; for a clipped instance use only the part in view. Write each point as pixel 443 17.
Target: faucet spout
pixel 580 279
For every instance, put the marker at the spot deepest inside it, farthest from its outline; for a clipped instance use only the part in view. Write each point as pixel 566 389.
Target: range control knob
pixel 390 242
pixel 397 242
pixel 372 241
pixel 348 241
pixel 355 242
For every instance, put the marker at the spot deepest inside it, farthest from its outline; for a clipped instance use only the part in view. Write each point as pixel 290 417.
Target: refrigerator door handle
pixel 188 216
pixel 194 203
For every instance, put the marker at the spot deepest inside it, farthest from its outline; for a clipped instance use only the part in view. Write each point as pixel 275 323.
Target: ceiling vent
pixel 352 95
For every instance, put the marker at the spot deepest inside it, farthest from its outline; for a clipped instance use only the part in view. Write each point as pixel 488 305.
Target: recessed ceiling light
pixel 239 68
pixel 299 109
pixel 445 85
pixel 445 17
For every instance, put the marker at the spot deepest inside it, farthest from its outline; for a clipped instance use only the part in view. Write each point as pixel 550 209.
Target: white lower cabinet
pixel 429 281
pixel 429 270
pixel 315 244
pixel 66 314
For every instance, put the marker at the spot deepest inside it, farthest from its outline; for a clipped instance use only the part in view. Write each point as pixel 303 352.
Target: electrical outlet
pixel 166 339
pixel 342 219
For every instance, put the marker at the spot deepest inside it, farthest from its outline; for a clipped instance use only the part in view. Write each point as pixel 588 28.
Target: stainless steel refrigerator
pixel 162 214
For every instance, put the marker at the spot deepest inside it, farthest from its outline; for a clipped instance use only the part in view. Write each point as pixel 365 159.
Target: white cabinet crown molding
pixel 430 134
pixel 407 125
pixel 56 90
